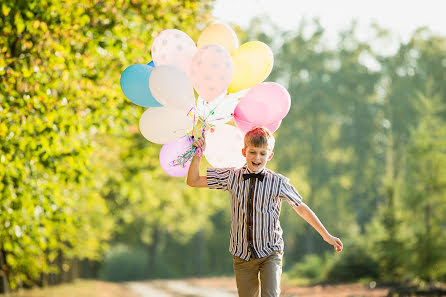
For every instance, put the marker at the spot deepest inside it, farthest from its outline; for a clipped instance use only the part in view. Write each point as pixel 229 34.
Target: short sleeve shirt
pixel 267 199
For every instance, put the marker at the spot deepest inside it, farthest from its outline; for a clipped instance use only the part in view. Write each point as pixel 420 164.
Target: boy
pixel 256 194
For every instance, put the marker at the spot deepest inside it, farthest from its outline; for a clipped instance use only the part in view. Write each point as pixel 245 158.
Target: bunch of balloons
pixel 229 82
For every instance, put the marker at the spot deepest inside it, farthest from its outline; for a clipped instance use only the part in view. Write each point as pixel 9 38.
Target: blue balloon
pixel 151 64
pixel 135 85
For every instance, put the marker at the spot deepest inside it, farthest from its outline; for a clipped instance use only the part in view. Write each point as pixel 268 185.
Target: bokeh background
pixel 82 193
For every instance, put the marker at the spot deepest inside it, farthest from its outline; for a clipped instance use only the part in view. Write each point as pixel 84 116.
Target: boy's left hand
pixel 335 242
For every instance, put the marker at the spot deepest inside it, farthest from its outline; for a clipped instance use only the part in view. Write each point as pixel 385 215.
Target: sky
pixel 400 17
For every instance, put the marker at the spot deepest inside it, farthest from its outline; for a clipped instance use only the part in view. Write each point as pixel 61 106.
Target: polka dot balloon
pixel 211 71
pixel 173 47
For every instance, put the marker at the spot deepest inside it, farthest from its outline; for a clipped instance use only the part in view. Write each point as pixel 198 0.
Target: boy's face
pixel 257 157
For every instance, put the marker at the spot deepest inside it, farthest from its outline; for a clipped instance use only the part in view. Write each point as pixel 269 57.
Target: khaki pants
pixel 258 275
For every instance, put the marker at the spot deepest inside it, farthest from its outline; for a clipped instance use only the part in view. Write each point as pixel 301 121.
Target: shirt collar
pixel 247 170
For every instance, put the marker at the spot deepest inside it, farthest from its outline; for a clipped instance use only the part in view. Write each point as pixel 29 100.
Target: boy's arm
pixel 193 175
pixel 308 215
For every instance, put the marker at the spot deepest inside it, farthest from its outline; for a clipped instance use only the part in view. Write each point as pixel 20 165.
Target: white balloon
pixel 222 107
pixel 224 145
pixel 171 87
pixel 162 124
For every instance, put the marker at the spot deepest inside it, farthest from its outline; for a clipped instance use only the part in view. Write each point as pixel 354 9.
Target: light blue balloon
pixel 151 64
pixel 135 85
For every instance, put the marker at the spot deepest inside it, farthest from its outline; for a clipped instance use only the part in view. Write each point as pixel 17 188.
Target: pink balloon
pixel 211 71
pixel 266 103
pixel 246 126
pixel 173 47
pixel 170 153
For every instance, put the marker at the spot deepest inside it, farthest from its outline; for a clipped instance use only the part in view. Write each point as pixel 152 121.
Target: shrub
pixel 310 269
pixel 123 263
pixel 353 265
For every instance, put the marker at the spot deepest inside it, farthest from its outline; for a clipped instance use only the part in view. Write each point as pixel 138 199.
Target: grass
pixel 297 281
pixel 79 288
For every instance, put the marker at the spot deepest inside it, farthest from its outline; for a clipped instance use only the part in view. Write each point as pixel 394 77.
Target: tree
pixel 406 75
pixel 426 195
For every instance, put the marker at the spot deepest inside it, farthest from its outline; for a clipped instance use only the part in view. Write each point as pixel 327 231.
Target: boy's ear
pixel 270 156
pixel 243 152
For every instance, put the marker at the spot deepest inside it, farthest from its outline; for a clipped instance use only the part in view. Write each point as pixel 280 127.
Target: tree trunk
pixel 429 262
pixel 4 288
pixel 3 273
pixel 44 280
pixel 152 250
pixel 74 271
pixel 199 253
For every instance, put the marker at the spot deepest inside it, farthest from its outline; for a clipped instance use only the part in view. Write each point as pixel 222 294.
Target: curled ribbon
pixel 192 151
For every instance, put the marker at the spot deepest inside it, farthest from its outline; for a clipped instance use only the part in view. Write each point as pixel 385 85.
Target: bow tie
pixel 260 176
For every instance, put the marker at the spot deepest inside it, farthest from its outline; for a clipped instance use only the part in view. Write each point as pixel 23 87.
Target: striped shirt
pixel 266 201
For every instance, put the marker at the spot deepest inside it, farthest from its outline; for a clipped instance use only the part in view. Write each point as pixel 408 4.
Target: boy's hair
pixel 259 137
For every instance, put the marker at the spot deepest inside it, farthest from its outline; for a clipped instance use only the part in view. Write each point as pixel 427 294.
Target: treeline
pixel 364 143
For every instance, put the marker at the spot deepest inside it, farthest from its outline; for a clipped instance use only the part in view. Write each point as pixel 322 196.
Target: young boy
pixel 256 194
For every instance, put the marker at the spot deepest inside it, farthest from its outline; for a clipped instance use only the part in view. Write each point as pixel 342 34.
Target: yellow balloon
pixel 253 62
pixel 220 34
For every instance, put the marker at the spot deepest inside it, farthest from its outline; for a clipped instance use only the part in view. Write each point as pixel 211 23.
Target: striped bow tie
pixel 260 176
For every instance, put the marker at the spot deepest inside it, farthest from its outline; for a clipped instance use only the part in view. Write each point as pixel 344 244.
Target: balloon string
pixel 193 127
pixel 184 158
pixel 222 118
pixel 213 111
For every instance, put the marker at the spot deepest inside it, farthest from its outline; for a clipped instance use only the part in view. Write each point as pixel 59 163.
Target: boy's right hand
pixel 200 143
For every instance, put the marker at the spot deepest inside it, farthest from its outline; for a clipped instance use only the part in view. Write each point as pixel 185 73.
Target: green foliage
pixel 354 265
pixel 154 210
pixel 122 263
pixel 309 270
pixel 61 112
pixel 205 254
pixel 426 193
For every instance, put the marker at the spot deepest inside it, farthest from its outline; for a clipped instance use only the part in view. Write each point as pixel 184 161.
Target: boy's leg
pixel 247 277
pixel 270 273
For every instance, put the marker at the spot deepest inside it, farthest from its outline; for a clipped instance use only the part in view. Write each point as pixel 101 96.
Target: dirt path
pixel 225 287
pixel 177 288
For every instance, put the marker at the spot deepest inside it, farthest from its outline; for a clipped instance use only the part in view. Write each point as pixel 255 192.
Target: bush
pixel 123 263
pixel 353 265
pixel 310 270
